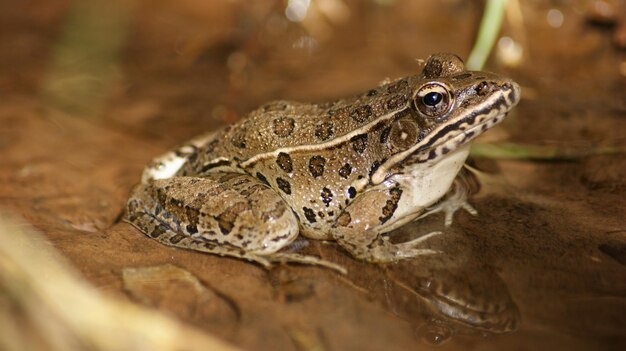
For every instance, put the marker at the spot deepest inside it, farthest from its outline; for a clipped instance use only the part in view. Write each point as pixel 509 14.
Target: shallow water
pixel 91 92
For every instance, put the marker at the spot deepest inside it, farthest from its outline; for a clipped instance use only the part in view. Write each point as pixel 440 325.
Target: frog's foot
pixel 453 201
pixel 382 251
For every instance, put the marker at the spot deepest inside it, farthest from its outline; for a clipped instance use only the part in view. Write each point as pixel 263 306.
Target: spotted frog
pixel 349 170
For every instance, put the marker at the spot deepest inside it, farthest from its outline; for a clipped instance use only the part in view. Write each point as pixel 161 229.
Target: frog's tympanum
pixel 349 170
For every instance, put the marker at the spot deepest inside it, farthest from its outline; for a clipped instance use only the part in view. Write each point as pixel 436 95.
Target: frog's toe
pixel 286 257
pixel 407 249
pixel 411 253
pixel 450 209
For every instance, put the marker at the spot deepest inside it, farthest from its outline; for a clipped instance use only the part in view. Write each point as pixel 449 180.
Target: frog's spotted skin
pixel 348 171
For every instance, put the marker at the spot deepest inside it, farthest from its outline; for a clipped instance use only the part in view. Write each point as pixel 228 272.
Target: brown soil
pixel 90 93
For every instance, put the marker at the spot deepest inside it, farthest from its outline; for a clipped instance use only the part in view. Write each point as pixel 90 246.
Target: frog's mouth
pixel 456 132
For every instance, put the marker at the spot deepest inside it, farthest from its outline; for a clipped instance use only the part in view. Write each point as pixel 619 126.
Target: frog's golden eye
pixel 433 100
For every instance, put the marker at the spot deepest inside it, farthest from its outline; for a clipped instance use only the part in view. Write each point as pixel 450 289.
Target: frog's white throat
pixel 424 184
pixel 430 181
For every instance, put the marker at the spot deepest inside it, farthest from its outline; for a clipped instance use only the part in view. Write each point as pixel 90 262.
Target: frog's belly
pixel 424 185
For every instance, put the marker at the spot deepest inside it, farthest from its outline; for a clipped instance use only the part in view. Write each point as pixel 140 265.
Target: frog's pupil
pixel 432 99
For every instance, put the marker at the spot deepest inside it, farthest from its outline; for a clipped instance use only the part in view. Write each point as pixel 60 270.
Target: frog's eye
pixel 432 100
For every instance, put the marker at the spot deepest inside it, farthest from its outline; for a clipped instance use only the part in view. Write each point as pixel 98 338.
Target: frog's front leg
pixel 360 227
pixel 227 214
pixel 454 200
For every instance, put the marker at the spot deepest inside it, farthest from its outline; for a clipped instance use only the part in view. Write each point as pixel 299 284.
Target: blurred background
pixel 91 90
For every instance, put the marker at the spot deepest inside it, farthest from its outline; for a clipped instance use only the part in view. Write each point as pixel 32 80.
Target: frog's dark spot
pixel 320 214
pixel 391 205
pixel 283 185
pixel 239 139
pixel 361 113
pixel 176 202
pixel 372 92
pixel 345 171
pixel 468 135
pixel 384 135
pixel 397 87
pixel 351 192
pixel 278 210
pixel 316 166
pixel 158 231
pixel 191 229
pixel 432 154
pixel 359 143
pixel 193 157
pixel 161 195
pixel 324 131
pixel 339 113
pixel 461 76
pixel 133 206
pixel 309 214
pixel 209 245
pixel 374 167
pixel 226 220
pixel 283 126
pixel 404 134
pixel 395 102
pixel 262 178
pixel 275 106
pixel 255 188
pixel 444 150
pixel 236 183
pixel 177 238
pixel 284 162
pixel 193 215
pixel 157 209
pixel 327 196
pixel 344 219
pixel 331 213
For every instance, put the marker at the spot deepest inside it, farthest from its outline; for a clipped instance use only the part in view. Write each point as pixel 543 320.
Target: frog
pixel 348 171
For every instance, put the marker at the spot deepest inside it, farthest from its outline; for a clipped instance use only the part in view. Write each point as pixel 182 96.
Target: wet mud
pixel 543 265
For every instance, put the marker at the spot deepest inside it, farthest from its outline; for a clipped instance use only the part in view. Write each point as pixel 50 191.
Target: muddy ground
pixel 91 91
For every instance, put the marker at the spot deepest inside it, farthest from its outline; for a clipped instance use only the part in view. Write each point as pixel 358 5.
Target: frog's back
pixel 281 124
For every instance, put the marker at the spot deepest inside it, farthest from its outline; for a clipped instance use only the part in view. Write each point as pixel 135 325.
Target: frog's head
pixel 451 106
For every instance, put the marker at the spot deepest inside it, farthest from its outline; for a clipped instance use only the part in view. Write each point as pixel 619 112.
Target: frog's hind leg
pixel 228 214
